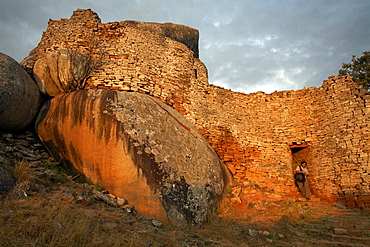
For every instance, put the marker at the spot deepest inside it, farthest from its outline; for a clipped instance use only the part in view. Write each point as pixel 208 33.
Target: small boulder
pixel 186 35
pixel 19 95
pixel 46 84
pixel 62 71
pixel 137 148
pixel 7 181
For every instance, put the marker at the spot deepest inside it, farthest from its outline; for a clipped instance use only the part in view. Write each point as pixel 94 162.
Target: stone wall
pixel 263 137
pixel 260 137
pixel 342 114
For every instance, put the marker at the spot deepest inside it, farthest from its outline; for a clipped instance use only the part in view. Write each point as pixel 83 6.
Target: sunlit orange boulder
pixel 137 148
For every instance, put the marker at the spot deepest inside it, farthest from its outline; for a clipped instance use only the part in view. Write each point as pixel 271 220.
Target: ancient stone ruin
pixel 260 137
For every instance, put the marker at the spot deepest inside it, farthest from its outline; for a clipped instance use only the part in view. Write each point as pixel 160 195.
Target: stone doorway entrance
pixel 300 152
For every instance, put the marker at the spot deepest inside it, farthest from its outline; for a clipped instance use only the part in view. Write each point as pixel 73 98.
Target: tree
pixel 359 69
pixel 83 60
pixel 81 66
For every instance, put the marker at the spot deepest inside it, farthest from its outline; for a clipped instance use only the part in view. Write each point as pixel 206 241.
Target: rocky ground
pixel 50 208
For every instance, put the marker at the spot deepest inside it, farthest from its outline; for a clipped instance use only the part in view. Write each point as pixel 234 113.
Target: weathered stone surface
pixel 186 35
pixel 7 180
pixel 21 146
pixel 46 84
pixel 19 95
pixel 62 71
pixel 137 148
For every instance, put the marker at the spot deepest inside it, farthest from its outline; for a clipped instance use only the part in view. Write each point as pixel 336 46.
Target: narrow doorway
pixel 300 152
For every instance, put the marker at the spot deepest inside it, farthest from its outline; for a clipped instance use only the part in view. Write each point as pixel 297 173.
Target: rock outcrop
pixel 19 95
pixel 183 34
pixel 137 148
pixel 62 71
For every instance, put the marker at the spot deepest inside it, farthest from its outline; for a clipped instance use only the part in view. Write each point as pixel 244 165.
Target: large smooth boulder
pixel 62 71
pixel 137 148
pixel 19 95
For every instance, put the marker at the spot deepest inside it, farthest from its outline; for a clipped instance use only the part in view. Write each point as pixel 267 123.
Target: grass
pixel 57 169
pixel 296 212
pixel 53 217
pixel 22 171
pixel 57 223
pixel 97 187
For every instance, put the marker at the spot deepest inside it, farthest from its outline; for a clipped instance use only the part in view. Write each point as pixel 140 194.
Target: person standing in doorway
pixel 303 186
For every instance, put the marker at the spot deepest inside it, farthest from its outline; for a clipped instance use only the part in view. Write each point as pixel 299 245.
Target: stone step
pixel 350 238
pixel 349 230
pixel 315 242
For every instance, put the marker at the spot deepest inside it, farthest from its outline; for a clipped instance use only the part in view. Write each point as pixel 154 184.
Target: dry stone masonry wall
pixel 260 137
pixel 342 140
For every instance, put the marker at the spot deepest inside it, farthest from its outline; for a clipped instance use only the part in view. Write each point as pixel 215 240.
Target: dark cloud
pixel 247 46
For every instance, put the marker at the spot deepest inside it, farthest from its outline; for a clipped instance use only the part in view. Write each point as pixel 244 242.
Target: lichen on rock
pixel 139 149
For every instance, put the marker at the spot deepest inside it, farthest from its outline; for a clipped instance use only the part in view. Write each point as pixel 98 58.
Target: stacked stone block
pixel 343 137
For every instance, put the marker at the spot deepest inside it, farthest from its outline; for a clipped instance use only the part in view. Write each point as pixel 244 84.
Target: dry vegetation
pixel 50 215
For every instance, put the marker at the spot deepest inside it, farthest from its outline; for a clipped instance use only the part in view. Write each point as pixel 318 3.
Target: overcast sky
pixel 247 45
